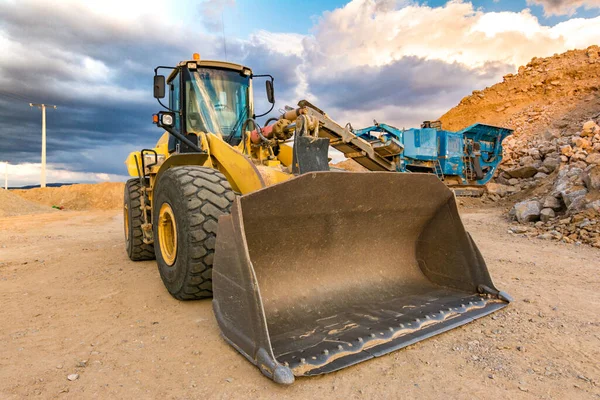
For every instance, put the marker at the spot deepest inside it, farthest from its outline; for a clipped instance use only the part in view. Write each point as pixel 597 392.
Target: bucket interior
pixel 346 262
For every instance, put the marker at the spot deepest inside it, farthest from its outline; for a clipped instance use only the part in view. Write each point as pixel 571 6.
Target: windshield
pixel 217 101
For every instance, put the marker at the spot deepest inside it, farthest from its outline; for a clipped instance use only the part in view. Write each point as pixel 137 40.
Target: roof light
pixel 196 57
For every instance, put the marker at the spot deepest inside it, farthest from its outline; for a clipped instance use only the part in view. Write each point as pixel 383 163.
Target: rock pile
pixel 569 209
pixel 551 165
pixel 543 91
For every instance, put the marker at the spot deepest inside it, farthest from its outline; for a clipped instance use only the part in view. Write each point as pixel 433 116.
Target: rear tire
pixel 133 219
pixel 187 204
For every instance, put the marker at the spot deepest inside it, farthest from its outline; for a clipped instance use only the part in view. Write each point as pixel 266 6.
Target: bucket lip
pixel 397 343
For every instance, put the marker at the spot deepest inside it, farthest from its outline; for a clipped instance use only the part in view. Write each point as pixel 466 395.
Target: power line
pixel 13 99
pixel 13 96
pixel 223 30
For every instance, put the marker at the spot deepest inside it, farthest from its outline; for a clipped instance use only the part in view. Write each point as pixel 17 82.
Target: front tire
pixel 187 204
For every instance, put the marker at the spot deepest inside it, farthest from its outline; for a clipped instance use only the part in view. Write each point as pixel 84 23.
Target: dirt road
pixel 72 303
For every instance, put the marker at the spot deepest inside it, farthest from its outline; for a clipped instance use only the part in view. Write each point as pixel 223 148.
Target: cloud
pixel 362 34
pixel 406 61
pixel 564 7
pixel 96 64
pixel 211 13
pixel 403 91
pixel 397 61
pixel 25 174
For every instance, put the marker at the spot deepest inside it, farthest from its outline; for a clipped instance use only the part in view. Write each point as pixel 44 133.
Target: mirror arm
pixel 182 138
pixel 272 104
pixel 167 108
pixel 160 102
pixel 263 114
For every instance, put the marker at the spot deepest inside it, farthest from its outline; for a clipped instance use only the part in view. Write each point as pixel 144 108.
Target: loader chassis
pixel 252 217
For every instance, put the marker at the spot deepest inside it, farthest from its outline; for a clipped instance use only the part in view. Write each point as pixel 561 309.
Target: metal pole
pixel 43 176
pixel 43 172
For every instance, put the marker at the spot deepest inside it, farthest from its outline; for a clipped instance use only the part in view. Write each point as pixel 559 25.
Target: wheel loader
pixel 310 270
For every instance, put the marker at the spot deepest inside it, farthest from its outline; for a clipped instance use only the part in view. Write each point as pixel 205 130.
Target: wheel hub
pixel 167 234
pixel 126 221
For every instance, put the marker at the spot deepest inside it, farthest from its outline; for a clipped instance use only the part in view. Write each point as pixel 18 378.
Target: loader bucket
pixel 329 269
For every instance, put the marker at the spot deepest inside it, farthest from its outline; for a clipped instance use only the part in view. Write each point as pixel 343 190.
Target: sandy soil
pixel 90 196
pixel 72 303
pixel 12 204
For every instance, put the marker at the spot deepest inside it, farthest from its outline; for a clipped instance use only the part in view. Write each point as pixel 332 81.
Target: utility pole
pixel 43 107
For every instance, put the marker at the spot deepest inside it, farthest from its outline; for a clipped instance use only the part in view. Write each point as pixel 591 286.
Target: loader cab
pixel 206 97
pixel 209 96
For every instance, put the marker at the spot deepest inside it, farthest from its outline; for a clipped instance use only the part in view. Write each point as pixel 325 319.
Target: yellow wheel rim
pixel 126 221
pixel 167 234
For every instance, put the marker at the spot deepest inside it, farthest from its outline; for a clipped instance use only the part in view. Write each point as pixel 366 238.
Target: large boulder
pixel 551 163
pixel 579 156
pixel 593 158
pixel 547 214
pixel 591 178
pixel 526 171
pixel 566 150
pixel 552 203
pixel 578 204
pixel 572 193
pixel 582 143
pixel 594 205
pixel 562 180
pixel 526 160
pixel 527 211
pixel 590 128
pixel 497 188
pixel 502 180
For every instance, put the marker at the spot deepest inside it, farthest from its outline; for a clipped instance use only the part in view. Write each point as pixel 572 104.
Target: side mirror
pixel 270 92
pixel 159 86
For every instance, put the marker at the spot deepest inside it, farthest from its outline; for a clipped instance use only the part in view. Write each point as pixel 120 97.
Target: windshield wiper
pixel 236 126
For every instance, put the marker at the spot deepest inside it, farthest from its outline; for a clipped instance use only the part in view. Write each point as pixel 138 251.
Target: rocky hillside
pixel 562 87
pixel 550 175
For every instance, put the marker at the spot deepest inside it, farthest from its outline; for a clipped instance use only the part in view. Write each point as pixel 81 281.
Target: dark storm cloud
pixel 99 72
pixel 408 82
pixel 265 60
pixel 564 7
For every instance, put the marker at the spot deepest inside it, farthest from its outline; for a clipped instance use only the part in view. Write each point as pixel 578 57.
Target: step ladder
pixel 438 169
pixel 469 174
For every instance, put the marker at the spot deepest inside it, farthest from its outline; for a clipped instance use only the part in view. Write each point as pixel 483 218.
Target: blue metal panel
pixel 479 143
pixel 490 141
pixel 451 152
pixel 420 144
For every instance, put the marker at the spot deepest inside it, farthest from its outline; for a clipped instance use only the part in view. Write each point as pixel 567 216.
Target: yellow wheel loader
pixel 310 270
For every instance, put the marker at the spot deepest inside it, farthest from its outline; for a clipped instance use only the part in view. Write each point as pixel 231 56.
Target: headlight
pixel 167 120
pixel 149 159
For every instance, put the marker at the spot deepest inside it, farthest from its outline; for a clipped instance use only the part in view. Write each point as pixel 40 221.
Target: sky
pixel 396 61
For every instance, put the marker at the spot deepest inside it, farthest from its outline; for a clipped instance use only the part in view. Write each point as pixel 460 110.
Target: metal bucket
pixel 330 269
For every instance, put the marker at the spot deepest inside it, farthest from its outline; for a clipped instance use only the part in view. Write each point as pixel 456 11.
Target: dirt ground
pixel 72 303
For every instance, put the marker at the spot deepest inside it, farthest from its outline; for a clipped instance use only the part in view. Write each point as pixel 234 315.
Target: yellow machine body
pixel 310 270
